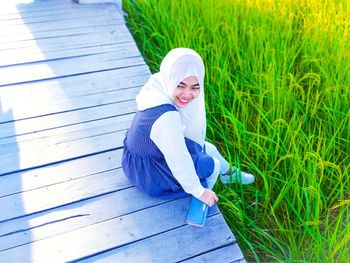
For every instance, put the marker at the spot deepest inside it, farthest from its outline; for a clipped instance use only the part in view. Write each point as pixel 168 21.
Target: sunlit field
pixel 278 100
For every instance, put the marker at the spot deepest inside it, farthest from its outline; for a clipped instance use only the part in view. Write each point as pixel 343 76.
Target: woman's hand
pixel 209 197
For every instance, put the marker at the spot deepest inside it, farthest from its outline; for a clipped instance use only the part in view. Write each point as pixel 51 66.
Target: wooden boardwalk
pixel 68 78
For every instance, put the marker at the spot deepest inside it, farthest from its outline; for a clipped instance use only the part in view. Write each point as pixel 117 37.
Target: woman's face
pixel 186 91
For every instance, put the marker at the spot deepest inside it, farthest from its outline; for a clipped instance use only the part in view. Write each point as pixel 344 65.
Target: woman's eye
pixel 180 86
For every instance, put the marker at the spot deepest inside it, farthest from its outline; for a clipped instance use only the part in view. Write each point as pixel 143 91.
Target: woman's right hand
pixel 209 197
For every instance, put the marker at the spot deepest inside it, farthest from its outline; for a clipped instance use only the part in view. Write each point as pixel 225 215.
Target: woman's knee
pixel 214 176
pixel 210 148
pixel 216 167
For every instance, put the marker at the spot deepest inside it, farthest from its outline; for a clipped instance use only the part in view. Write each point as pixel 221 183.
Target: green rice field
pixel 278 99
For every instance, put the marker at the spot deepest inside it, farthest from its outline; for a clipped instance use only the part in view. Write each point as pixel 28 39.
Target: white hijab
pixel 177 65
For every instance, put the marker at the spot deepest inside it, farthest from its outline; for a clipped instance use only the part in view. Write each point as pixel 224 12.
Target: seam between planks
pixel 76 74
pixel 60 161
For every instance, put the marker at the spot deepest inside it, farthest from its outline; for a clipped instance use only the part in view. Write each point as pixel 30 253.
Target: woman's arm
pixel 167 134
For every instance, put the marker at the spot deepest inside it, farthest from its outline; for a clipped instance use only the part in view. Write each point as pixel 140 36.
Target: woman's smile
pixel 183 101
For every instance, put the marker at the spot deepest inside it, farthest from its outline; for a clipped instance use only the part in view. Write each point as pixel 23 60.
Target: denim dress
pixel 144 164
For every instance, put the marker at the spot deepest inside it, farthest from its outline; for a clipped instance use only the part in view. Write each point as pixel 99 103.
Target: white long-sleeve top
pixel 167 134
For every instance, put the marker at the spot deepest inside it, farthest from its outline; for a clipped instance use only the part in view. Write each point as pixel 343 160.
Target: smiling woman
pixel 165 153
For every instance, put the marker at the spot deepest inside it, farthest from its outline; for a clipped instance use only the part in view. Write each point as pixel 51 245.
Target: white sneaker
pixel 237 176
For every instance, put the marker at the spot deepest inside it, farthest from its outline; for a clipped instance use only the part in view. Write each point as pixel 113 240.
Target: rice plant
pixel 278 100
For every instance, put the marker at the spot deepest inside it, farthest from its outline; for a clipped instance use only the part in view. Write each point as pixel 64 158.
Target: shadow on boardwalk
pixel 10 184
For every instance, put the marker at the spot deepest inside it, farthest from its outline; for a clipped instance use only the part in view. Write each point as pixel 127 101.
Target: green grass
pixel 277 94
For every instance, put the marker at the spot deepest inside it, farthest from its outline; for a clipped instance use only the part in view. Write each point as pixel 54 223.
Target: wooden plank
pixel 59 173
pixel 70 92
pixel 12 7
pixel 57 14
pixel 38 10
pixel 80 85
pixel 93 100
pixel 16 15
pixel 47 48
pixel 68 41
pixel 25 36
pixel 65 42
pixel 35 12
pixel 125 56
pixel 57 221
pixel 52 6
pixel 29 107
pixel 231 253
pixel 58 25
pixel 51 138
pixel 16 57
pixel 56 17
pixel 111 233
pixel 43 155
pixel 48 197
pixel 65 133
pixel 178 244
pixel 22 32
pixel 54 121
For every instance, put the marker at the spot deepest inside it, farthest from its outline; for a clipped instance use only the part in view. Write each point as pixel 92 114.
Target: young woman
pixel 165 153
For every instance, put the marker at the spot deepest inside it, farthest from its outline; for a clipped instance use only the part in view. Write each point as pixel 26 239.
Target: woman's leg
pixel 225 175
pixel 211 150
pixel 211 180
pixel 221 166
